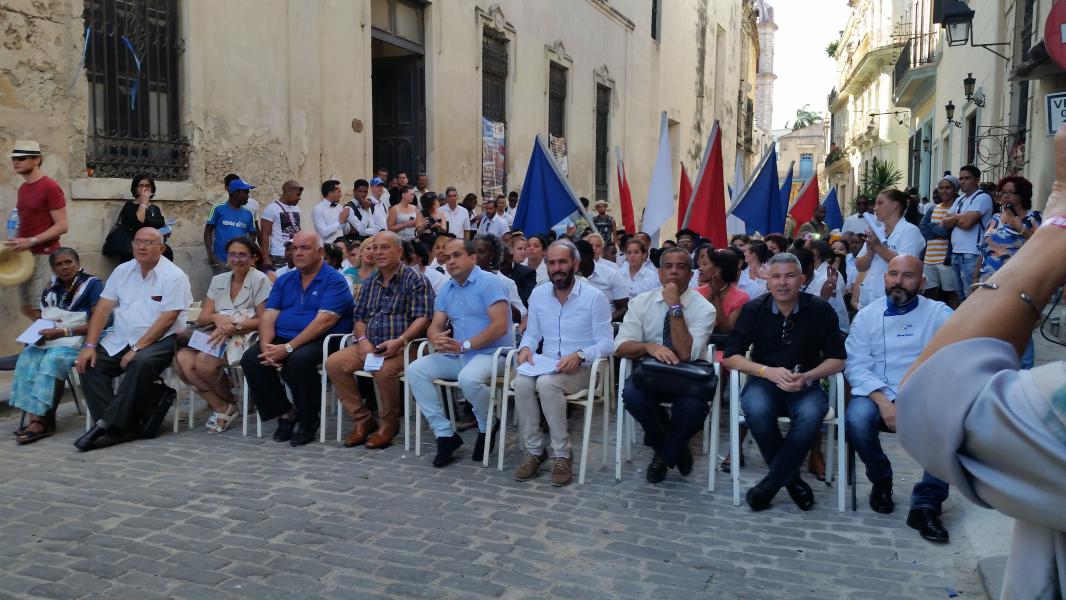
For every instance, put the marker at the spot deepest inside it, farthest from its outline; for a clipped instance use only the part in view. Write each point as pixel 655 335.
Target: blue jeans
pixel 1029 356
pixel 864 422
pixel 763 402
pixel 666 434
pixel 473 375
pixel 965 266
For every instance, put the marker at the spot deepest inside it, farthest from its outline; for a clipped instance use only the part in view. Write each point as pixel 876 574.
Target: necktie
pixel 667 337
pixel 440 270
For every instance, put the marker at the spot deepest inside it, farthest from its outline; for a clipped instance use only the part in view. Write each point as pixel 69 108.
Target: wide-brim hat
pixel 16 266
pixel 25 148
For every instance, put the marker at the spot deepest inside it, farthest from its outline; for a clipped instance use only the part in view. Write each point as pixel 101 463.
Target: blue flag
pixel 833 218
pixel 546 197
pixel 786 190
pixel 760 203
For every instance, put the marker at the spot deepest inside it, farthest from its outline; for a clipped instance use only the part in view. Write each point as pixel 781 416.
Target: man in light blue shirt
pixel 573 320
pixel 886 338
pixel 475 302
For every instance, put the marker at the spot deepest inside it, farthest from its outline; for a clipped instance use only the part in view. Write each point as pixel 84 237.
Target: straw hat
pixel 16 266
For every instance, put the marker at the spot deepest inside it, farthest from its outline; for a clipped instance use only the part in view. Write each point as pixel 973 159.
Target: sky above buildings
pixel 805 74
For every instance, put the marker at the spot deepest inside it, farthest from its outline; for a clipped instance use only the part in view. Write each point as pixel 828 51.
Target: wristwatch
pixel 288 348
pixel 675 310
pixel 466 346
pixel 581 355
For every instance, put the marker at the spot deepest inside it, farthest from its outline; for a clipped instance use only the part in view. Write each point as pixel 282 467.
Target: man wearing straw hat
pixel 42 219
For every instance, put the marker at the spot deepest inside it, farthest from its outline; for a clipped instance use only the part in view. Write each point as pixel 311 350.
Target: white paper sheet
pixel 541 365
pixel 32 335
pixel 373 363
pixel 874 225
pixel 202 342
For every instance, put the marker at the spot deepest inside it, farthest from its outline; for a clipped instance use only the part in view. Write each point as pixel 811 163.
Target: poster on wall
pixel 494 158
pixel 557 146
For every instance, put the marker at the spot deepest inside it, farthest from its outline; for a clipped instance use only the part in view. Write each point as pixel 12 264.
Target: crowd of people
pixel 390 263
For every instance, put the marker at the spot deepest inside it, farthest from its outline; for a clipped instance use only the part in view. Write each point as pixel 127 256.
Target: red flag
pixel 625 198
pixel 683 196
pixel 706 213
pixel 806 201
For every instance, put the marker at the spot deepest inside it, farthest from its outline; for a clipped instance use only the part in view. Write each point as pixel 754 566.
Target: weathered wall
pixel 274 98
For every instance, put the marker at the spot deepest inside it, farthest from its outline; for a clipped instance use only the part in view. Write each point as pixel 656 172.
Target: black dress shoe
pixel 881 497
pixel 445 447
pixel 87 440
pixel 479 445
pixel 656 470
pixel 800 493
pixel 759 496
pixel 928 524
pixel 302 437
pixel 684 461
pixel 284 431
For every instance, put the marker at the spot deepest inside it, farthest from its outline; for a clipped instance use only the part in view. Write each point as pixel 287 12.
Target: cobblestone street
pixel 199 516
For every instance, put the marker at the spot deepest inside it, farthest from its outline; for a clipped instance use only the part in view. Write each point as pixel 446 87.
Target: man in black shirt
pixel 794 343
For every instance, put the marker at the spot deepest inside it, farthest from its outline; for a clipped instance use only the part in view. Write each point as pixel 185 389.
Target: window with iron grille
pixel 557 99
pixel 494 77
pixel 131 63
pixel 603 108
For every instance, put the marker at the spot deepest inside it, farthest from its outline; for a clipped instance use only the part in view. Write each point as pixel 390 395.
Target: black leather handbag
pixel 694 378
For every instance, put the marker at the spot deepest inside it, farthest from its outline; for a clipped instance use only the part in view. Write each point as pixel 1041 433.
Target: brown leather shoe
pixel 360 433
pixel 382 438
pixel 561 472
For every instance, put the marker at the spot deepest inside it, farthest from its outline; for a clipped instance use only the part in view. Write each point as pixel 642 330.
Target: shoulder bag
pixel 693 378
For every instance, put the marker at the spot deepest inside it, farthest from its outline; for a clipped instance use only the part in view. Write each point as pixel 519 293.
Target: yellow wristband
pixel 762 370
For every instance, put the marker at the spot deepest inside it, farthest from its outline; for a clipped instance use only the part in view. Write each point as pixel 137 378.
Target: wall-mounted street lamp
pixel 949 110
pixel 925 144
pixel 898 115
pixel 957 19
pixel 967 88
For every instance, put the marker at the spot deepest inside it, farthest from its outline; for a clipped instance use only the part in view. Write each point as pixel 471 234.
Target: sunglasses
pixel 20 158
pixel 786 331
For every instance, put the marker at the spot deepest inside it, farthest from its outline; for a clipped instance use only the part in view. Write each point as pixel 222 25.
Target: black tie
pixel 667 337
pixel 333 205
pixel 440 269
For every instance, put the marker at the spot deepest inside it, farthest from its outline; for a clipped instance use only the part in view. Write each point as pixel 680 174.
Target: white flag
pixel 661 193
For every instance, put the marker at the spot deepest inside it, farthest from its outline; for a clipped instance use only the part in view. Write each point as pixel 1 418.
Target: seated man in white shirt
pixel 148 297
pixel 329 216
pixel 490 222
pixel 573 320
pixel 456 215
pixel 672 325
pixel 885 340
pixel 611 283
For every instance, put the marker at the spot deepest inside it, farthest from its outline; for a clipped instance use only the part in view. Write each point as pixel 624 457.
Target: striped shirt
pixel 936 250
pixel 389 311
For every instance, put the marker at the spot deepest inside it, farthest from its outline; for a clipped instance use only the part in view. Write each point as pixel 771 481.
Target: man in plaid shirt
pixel 394 307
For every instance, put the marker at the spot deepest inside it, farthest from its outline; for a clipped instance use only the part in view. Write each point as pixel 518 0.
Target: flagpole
pixel 739 197
pixel 699 177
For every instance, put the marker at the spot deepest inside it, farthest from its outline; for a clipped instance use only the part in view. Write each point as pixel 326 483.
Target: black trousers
pixel 299 371
pixel 666 434
pixel 125 408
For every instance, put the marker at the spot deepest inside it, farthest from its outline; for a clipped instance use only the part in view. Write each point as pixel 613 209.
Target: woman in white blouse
pixel 235 302
pixel 641 278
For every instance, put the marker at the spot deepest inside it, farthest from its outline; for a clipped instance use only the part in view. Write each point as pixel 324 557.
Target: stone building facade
pixel 190 90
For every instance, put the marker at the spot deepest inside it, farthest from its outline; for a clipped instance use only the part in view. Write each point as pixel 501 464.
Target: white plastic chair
pixel 598 388
pixel 834 419
pixel 625 424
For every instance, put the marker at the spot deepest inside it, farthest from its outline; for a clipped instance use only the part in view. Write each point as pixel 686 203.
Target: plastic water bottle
pixel 13 224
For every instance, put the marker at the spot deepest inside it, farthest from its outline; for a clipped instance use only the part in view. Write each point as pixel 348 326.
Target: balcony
pixel 914 76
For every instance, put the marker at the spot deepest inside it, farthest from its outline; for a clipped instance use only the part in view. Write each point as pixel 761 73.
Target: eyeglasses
pixel 20 158
pixel 1007 192
pixel 146 243
pixel 239 255
pixel 144 186
pixel 786 331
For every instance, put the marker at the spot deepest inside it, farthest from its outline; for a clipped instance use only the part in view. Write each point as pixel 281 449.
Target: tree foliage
pixel 805 118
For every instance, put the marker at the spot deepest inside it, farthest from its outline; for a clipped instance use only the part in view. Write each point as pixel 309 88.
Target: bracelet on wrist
pixel 762 371
pixel 89 345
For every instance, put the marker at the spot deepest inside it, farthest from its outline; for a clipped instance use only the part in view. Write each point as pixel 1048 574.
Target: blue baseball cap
pixel 377 181
pixel 239 184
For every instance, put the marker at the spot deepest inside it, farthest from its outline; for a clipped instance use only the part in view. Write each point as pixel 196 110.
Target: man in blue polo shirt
pixel 227 221
pixel 305 305
pixel 475 302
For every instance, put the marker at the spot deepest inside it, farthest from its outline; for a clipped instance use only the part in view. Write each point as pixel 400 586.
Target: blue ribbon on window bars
pixel 84 51
pixel 137 81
